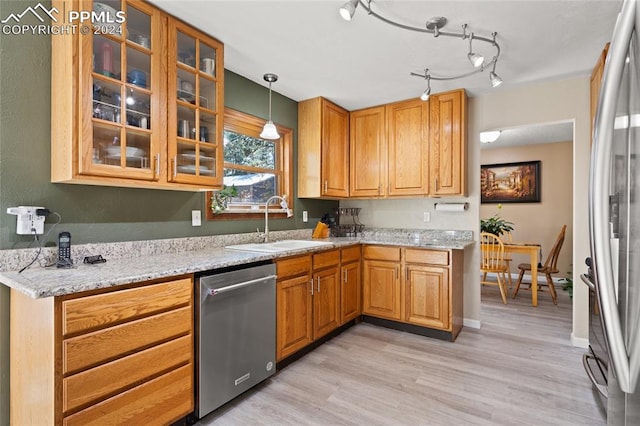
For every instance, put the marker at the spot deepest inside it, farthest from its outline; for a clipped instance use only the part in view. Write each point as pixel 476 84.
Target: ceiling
pixel 532 134
pixel 366 62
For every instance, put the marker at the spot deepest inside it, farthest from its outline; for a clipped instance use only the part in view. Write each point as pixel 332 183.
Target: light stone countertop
pixel 40 282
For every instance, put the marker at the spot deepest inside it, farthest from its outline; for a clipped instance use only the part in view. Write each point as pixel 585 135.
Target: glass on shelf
pixel 207 131
pixel 186 49
pixel 106 57
pixel 138 107
pixel 207 94
pixel 186 122
pixel 138 68
pixel 186 87
pixel 107 101
pixel 138 27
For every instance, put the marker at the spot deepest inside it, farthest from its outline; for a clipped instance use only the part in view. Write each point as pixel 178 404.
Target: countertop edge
pixel 40 283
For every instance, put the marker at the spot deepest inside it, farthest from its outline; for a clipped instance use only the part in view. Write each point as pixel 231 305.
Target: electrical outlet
pixel 28 221
pixel 196 218
pixel 305 216
pixel 427 217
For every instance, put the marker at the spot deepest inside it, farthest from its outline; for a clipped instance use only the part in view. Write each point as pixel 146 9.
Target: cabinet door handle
pixel 175 166
pixel 326 185
pixel 436 188
pixel 311 282
pixel 380 189
pixel 318 281
pixel 157 165
pixel 406 273
pixel 344 275
pixel 397 272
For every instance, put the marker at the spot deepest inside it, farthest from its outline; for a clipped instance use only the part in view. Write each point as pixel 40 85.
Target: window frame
pixel 240 122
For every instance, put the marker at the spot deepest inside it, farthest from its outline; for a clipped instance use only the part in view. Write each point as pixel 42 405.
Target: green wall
pixel 93 213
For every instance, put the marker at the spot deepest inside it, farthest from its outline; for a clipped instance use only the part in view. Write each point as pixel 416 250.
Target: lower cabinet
pixel 418 287
pixel 350 287
pixel 310 295
pixel 382 292
pixel 122 356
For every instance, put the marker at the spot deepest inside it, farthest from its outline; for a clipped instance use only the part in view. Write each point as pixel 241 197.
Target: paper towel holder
pixel 451 207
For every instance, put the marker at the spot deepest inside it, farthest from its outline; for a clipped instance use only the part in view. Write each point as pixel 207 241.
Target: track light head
pixel 425 95
pixel 348 9
pixel 495 79
pixel 475 59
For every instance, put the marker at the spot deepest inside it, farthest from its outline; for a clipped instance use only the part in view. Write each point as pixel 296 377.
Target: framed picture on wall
pixel 510 182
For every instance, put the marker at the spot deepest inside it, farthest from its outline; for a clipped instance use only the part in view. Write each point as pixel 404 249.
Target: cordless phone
pixel 64 250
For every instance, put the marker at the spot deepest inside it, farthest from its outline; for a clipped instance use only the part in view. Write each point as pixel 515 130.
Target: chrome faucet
pixel 283 204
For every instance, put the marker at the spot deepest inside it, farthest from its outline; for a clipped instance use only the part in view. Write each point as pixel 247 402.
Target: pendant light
pixel 270 131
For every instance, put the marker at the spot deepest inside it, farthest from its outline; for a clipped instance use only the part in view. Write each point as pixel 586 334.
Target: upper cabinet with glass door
pixel 120 93
pixel 195 106
pixel 116 105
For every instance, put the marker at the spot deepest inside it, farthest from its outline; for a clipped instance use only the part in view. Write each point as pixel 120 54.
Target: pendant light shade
pixel 269 131
pixel 348 10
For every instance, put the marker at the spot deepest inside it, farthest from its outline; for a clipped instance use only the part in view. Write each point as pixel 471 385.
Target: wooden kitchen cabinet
pixel 447 144
pixel 195 107
pixel 123 356
pixel 350 287
pixel 408 148
pixel 414 286
pixel 381 289
pixel 323 149
pixel 111 94
pixel 368 153
pixel 326 293
pixel 294 305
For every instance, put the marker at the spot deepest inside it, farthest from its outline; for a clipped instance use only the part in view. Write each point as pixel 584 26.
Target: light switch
pixel 196 218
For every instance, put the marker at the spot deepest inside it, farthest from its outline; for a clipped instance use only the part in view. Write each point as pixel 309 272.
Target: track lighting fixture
pixel 425 95
pixel 348 9
pixel 494 78
pixel 475 59
pixel 434 26
pixel 269 131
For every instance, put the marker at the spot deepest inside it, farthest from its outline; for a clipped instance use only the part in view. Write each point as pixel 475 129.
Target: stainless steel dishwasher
pixel 236 345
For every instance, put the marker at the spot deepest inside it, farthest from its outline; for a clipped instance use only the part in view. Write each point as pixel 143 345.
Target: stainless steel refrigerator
pixel 614 217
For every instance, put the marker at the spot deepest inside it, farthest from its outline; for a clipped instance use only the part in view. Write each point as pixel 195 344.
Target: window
pixel 258 168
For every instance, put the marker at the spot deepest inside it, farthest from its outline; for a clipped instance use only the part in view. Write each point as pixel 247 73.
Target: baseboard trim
pixel 579 342
pixel 471 323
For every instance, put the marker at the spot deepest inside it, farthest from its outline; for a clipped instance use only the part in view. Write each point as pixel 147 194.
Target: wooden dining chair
pixel 492 260
pixel 550 267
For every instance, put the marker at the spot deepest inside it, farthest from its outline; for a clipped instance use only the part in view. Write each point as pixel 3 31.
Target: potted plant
pixel 220 199
pixel 495 224
pixel 567 283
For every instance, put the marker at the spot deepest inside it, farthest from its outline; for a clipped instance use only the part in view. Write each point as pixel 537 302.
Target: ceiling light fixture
pixel 488 137
pixel 425 95
pixel 434 26
pixel 494 78
pixel 348 9
pixel 269 131
pixel 475 59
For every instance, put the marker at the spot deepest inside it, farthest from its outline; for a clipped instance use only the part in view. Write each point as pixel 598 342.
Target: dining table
pixel 532 249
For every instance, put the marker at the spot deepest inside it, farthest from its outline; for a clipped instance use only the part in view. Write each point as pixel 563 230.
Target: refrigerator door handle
pixel 626 366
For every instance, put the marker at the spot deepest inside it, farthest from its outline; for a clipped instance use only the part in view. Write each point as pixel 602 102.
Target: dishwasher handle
pixel 215 291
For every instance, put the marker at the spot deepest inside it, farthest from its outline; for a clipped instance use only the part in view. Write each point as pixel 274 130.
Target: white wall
pixel 548 102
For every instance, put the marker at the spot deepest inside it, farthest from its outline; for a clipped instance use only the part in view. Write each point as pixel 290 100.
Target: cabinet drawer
pixel 350 254
pixel 382 253
pixel 104 310
pixel 293 266
pixel 158 402
pixel 432 257
pixel 104 345
pixel 94 384
pixel 326 259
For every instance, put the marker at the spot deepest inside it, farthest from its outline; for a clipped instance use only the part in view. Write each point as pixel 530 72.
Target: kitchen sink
pixel 279 246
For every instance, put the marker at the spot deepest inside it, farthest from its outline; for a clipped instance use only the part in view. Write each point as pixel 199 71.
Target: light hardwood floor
pixel 518 369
